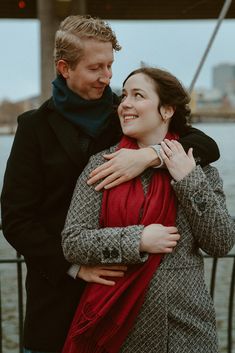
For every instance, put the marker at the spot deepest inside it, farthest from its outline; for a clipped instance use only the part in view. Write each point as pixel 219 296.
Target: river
pixel 224 135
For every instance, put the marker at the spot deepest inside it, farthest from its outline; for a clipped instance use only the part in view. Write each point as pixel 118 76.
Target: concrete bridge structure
pixel 51 12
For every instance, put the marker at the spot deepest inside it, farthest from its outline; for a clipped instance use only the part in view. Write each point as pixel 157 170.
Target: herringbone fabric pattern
pixel 177 315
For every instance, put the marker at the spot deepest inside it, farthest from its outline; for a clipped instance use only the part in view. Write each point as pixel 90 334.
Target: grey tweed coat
pixel 178 314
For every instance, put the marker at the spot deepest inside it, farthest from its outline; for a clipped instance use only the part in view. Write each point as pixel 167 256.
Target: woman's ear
pixel 63 68
pixel 167 111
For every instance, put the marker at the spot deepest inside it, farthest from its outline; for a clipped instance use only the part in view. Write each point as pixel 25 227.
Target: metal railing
pixel 230 303
pixel 19 261
pixel 20 290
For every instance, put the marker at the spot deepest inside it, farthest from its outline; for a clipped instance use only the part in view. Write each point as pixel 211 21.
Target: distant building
pixel 10 110
pixel 224 78
pixel 211 100
pixel 208 99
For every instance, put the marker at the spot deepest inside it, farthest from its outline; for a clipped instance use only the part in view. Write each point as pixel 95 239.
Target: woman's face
pixel 138 110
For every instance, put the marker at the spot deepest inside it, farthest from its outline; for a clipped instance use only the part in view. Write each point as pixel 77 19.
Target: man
pixel 51 147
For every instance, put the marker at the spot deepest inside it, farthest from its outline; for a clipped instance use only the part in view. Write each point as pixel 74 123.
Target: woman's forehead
pixel 139 81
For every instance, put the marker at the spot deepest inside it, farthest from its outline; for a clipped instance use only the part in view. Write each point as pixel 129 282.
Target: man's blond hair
pixel 68 38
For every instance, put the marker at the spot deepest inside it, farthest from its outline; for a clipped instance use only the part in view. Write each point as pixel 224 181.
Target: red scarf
pixel 105 315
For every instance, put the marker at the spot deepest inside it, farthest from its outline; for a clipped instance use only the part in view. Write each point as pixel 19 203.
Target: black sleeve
pixel 21 198
pixel 205 149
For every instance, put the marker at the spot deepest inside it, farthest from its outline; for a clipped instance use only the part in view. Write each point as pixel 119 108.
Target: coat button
pixel 106 253
pixel 198 199
pixel 202 206
pixel 114 253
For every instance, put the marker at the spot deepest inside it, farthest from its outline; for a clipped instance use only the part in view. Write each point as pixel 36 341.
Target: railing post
pixel 20 301
pixel 0 316
pixel 230 309
pixel 213 277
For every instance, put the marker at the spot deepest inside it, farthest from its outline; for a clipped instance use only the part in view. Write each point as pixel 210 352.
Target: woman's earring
pixel 165 119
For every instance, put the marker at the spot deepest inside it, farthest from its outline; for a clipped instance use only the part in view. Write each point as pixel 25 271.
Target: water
pixel 5 146
pixel 224 135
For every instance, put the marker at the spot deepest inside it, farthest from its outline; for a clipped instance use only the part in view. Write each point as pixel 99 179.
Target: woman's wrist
pixel 151 157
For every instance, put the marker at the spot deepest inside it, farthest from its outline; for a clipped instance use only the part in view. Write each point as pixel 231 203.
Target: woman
pixel 162 303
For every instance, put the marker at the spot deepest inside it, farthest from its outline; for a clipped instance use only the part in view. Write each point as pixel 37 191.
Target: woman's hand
pixel 122 165
pixel 96 273
pixel 177 161
pixel 157 238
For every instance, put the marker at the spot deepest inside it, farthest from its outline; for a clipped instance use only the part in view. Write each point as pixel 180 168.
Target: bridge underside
pixel 158 9
pixel 120 9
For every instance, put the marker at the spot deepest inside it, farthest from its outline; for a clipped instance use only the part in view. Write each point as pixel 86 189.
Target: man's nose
pixel 105 80
pixel 106 76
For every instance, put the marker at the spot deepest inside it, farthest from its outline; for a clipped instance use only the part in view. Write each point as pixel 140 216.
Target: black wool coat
pixel 48 155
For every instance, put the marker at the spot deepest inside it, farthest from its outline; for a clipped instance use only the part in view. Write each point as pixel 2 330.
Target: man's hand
pixel 122 165
pixel 177 161
pixel 95 274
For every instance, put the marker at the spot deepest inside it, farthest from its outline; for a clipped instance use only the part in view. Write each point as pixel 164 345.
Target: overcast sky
pixel 174 45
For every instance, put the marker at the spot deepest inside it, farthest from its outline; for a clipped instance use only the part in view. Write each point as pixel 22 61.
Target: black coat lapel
pixel 68 137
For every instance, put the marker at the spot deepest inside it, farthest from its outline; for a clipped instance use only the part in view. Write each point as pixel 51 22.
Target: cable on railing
pixel 221 17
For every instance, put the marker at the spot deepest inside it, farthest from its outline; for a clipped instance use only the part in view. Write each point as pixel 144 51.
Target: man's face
pixel 94 70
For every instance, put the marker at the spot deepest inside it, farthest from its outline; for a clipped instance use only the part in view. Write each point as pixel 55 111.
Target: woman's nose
pixel 126 103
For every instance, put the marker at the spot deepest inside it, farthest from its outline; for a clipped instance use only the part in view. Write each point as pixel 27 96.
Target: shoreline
pixel 211 118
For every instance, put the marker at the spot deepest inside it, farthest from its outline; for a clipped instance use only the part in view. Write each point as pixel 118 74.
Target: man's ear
pixel 63 68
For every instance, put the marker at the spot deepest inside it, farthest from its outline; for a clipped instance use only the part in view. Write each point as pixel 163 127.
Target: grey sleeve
pixel 201 195
pixel 84 242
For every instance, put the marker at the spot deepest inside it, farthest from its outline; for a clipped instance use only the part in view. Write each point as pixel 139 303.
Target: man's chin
pixel 96 95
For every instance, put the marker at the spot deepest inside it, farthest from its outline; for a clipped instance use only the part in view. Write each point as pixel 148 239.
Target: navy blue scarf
pixel 91 116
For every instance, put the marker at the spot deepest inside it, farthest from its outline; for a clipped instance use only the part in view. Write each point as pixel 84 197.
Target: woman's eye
pixel 138 95
pixel 123 97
